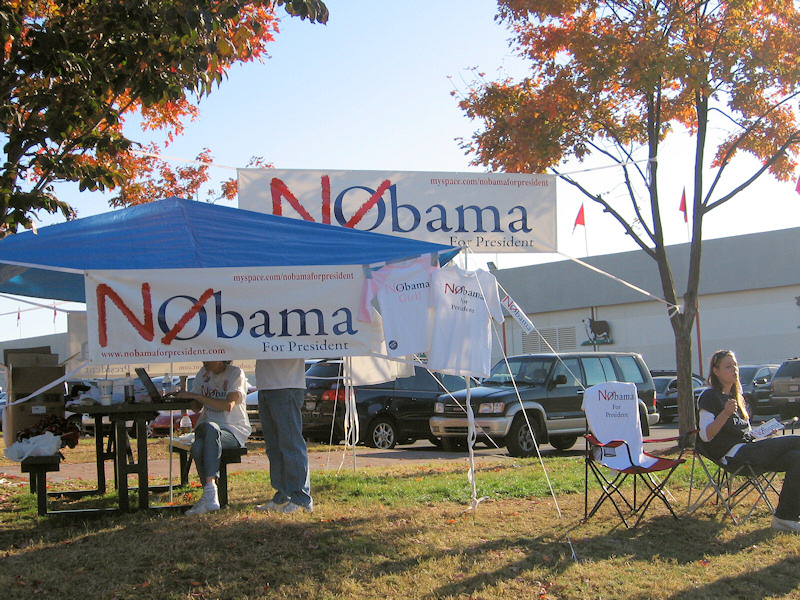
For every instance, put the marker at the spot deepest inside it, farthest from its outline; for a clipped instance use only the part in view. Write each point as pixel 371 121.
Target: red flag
pixel 55 312
pixel 579 220
pixel 19 316
pixel 682 207
pixel 797 187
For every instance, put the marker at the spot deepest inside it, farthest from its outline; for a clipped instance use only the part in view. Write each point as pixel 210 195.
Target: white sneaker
pixel 271 506
pixel 785 525
pixel 199 508
pixel 206 504
pixel 291 507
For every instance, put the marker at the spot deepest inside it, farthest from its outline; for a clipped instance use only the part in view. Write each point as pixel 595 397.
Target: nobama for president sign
pixel 178 315
pixel 485 212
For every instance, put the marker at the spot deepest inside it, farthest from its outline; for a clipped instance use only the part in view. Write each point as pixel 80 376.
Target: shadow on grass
pixel 230 554
pixel 353 547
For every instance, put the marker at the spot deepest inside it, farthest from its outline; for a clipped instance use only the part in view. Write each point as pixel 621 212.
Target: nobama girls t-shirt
pixel 403 293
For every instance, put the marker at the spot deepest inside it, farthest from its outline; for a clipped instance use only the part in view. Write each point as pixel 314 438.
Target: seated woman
pixel 725 427
pixel 219 392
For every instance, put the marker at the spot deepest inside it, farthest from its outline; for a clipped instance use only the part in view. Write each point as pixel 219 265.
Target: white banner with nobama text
pixel 485 212
pixel 165 315
pixel 515 311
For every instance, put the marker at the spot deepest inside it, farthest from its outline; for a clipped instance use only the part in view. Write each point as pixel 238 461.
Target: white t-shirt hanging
pixel 403 293
pixel 464 303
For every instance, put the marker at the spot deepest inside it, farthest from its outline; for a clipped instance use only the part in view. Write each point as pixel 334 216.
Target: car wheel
pixel 519 440
pixel 563 442
pixel 454 444
pixel 382 434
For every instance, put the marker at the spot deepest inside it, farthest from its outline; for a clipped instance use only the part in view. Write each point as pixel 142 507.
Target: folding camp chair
pixel 615 452
pixel 729 486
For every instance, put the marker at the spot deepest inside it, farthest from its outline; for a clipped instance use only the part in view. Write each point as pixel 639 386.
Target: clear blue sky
pixel 371 90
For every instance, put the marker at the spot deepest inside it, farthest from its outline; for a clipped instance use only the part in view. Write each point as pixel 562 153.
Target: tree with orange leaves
pixel 614 78
pixel 72 72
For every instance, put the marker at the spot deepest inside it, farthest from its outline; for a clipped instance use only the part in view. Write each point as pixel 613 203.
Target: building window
pixel 560 339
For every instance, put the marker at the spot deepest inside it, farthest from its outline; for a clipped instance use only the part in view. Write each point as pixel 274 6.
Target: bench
pixel 229 456
pixel 38 467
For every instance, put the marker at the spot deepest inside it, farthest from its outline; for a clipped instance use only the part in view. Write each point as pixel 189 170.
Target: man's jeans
pixel 282 426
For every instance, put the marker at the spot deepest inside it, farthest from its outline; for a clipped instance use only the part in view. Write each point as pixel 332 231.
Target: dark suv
pixel 391 413
pixel 756 384
pixel 785 396
pixel 551 389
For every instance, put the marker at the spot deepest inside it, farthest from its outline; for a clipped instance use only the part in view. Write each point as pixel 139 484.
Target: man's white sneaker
pixel 291 507
pixel 785 525
pixel 271 506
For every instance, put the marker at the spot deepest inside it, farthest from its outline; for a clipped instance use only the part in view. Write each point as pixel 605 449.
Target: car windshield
pixel 661 383
pixel 323 374
pixel 746 374
pixel 522 370
pixel 791 369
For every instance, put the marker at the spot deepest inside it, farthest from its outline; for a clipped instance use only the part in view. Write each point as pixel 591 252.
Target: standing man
pixel 281 387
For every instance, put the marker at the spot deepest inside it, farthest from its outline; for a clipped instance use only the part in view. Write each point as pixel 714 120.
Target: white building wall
pixel 761 326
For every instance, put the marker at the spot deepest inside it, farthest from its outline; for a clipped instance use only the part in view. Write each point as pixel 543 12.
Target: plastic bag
pixel 45 444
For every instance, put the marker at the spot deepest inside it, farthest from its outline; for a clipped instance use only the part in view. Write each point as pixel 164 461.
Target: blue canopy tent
pixel 183 234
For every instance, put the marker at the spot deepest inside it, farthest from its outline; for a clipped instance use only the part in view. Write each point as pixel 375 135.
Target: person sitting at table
pixel 218 392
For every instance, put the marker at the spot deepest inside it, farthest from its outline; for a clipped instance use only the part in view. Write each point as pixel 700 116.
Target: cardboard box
pixel 27 373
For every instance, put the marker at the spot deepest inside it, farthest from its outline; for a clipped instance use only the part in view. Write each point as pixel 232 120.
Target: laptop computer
pixel 150 387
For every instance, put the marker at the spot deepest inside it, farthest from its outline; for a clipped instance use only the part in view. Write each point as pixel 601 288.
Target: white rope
pixel 471 437
pixel 37 305
pixel 611 166
pixel 618 280
pixel 352 432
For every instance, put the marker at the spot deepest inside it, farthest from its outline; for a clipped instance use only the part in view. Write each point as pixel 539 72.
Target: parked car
pixel 324 397
pixel 667 394
pixel 2 408
pixel 551 390
pixel 756 388
pixel 391 413
pixel 785 394
pixel 251 405
pixel 159 427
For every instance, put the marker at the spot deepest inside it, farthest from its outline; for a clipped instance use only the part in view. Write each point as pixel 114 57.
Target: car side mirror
pixel 559 380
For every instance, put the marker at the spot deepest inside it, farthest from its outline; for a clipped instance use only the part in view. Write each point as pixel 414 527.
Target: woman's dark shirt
pixel 733 431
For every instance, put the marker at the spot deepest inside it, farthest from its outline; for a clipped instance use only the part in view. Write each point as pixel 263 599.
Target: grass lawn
pixel 400 533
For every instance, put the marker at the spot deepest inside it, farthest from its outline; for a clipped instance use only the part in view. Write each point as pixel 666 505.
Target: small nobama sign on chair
pixel 615 443
pixel 612 411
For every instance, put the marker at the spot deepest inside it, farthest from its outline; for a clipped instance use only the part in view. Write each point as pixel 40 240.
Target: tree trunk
pixel 682 326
